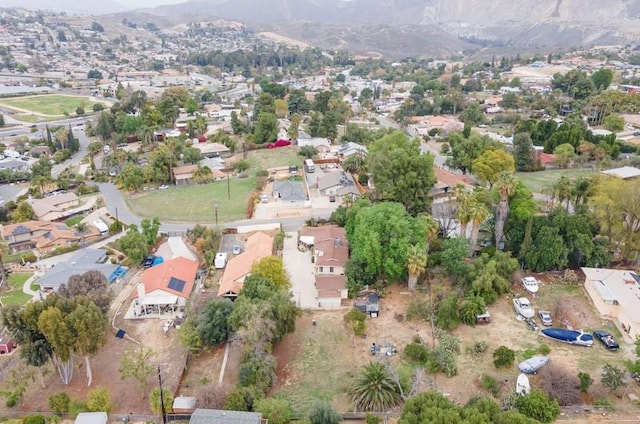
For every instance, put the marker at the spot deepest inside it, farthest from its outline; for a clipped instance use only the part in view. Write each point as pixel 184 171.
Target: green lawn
pixel 274 158
pixel 196 203
pixel 15 295
pixel 73 221
pixel 51 104
pixel 537 182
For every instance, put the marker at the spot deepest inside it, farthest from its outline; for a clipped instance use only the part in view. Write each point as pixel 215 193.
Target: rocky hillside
pixel 429 27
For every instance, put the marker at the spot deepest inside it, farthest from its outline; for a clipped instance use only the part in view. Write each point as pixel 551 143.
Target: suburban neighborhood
pixel 201 224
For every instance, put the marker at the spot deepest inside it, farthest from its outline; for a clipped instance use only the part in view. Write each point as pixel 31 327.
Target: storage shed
pixel 92 418
pixel 6 345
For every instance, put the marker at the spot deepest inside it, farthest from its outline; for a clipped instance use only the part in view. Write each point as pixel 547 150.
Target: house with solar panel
pixel 164 289
pixel 44 236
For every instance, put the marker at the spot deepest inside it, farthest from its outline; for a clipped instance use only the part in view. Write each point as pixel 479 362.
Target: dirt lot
pixel 318 362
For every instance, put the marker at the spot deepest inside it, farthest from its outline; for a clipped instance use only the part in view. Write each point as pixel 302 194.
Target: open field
pixel 15 295
pixel 265 159
pixel 49 105
pixel 537 182
pixel 195 203
pixel 319 362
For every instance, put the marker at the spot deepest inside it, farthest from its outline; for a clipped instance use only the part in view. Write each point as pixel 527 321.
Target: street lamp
pixel 215 208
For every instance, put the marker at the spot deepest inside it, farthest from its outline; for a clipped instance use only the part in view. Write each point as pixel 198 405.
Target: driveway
pixel 298 265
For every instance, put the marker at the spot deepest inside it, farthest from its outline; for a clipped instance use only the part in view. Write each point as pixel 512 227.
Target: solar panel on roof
pixel 20 229
pixel 176 284
pixel 61 227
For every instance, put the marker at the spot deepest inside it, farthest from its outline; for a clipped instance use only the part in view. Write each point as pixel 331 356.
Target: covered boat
pixel 575 337
pixel 533 364
pixel 523 387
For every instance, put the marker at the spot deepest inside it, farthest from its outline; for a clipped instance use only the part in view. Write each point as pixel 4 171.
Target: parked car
pixel 148 261
pixel 636 133
pixel 279 143
pixel 606 339
pixel 545 318
pixel 163 187
pixel 236 250
pixel 332 198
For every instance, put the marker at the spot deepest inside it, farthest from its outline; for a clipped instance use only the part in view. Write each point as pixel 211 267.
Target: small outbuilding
pixel 6 345
pixel 184 405
pixel 209 416
pixel 92 418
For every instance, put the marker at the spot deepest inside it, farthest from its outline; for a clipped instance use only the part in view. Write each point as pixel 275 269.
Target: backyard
pixel 265 159
pixel 48 105
pixel 537 182
pixel 319 360
pixel 14 295
pixel 195 203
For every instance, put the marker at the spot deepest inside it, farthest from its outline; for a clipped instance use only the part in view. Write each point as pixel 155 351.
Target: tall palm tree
pixel 374 389
pixel 416 265
pixel 478 213
pixel 464 201
pixel 562 190
pixel 505 184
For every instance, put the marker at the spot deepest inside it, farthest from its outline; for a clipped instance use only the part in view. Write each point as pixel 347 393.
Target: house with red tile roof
pixel 446 181
pixel 259 245
pixel 165 288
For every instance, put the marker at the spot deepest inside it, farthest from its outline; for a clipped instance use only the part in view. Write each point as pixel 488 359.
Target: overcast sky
pixel 145 3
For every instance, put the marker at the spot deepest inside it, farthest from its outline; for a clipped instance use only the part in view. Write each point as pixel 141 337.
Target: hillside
pixel 426 27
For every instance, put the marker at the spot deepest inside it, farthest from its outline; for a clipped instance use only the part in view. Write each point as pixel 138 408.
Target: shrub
pixel 544 349
pixel 585 381
pixel 538 406
pixel 59 403
pixel 356 321
pixel 489 384
pixel 277 411
pixel 479 348
pixel 323 413
pixel 258 372
pixel 99 400
pixel 503 357
pixel 419 309
pixel 416 352
pixel 34 419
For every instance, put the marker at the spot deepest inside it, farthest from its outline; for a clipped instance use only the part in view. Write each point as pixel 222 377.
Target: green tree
pixel 213 322
pixel 602 78
pixel 150 230
pixel 614 122
pixel 156 401
pixel 401 173
pixel 272 269
pixel 471 308
pixel 503 357
pixel 104 127
pixel 523 152
pixel 134 245
pixel 374 389
pixel 565 154
pixel 612 377
pixel 465 150
pixel 91 284
pixel 99 400
pixel 136 364
pixel 276 410
pixel 547 251
pixel 538 406
pixel 454 250
pixel 308 152
pixel 416 264
pixel 2 123
pixel 472 115
pixel 266 130
pixel 585 381
pixel 323 413
pixel 448 316
pixel 492 163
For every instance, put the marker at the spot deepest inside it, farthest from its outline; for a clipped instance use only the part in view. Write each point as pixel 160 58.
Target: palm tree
pixel 505 185
pixel 82 228
pixel 464 201
pixel 562 190
pixel 416 265
pixel 374 389
pixel 478 213
pixel 4 249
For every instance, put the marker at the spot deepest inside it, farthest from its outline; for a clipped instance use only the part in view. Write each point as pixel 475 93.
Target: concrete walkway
pixel 26 287
pixel 298 265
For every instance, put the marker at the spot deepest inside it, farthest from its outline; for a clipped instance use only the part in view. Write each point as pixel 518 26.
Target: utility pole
pixel 215 208
pixel 162 410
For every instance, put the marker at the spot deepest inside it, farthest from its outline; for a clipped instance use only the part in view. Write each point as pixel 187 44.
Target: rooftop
pixel 215 416
pixel 624 172
pixel 618 285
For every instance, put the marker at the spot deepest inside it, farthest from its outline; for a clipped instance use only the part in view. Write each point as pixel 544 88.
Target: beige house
pixel 616 295
pixel 184 174
pixel 330 254
pixel 56 207
pixel 44 236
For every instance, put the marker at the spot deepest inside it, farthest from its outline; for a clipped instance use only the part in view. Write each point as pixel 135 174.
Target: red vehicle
pixel 279 143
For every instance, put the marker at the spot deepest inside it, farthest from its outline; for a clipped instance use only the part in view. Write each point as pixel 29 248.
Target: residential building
pixel 259 245
pixel 52 208
pixel 82 261
pixel 337 183
pixel 616 295
pixel 350 149
pixel 44 236
pixel 624 172
pixel 165 288
pixel 214 416
pixel 184 174
pixel 330 254
pixel 289 191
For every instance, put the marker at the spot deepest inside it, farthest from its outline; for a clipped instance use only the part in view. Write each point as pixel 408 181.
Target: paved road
pixel 76 159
